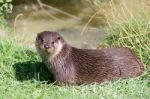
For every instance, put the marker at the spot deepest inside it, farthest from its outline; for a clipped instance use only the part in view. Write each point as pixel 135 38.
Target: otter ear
pixel 38 34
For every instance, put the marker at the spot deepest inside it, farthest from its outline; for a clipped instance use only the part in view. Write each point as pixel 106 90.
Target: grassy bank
pixel 24 76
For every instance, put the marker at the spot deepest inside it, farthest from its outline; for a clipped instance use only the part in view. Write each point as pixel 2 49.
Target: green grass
pixel 22 75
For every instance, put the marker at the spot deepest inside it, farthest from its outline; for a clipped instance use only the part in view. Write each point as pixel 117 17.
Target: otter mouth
pixel 50 50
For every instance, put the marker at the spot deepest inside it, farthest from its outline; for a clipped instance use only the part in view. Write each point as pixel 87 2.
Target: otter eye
pixel 42 40
pixel 39 39
pixel 52 42
pixel 58 38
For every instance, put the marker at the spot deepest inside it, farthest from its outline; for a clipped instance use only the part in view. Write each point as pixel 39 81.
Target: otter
pixel 71 65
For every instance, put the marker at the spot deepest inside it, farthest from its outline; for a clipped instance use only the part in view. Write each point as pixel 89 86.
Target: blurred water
pixel 31 19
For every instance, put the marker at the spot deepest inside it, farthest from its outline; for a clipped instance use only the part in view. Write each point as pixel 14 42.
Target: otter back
pixel 87 66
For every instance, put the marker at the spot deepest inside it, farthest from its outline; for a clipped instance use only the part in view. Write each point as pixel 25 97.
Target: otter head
pixel 49 42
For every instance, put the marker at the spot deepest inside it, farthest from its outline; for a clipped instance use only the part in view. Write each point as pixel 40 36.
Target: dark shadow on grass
pixel 32 71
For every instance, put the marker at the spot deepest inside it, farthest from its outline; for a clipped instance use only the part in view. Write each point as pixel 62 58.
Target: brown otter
pixel 72 65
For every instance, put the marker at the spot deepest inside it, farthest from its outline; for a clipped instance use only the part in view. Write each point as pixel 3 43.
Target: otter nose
pixel 46 46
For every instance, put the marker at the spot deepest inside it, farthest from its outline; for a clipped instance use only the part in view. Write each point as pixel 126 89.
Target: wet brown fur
pixel 77 66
